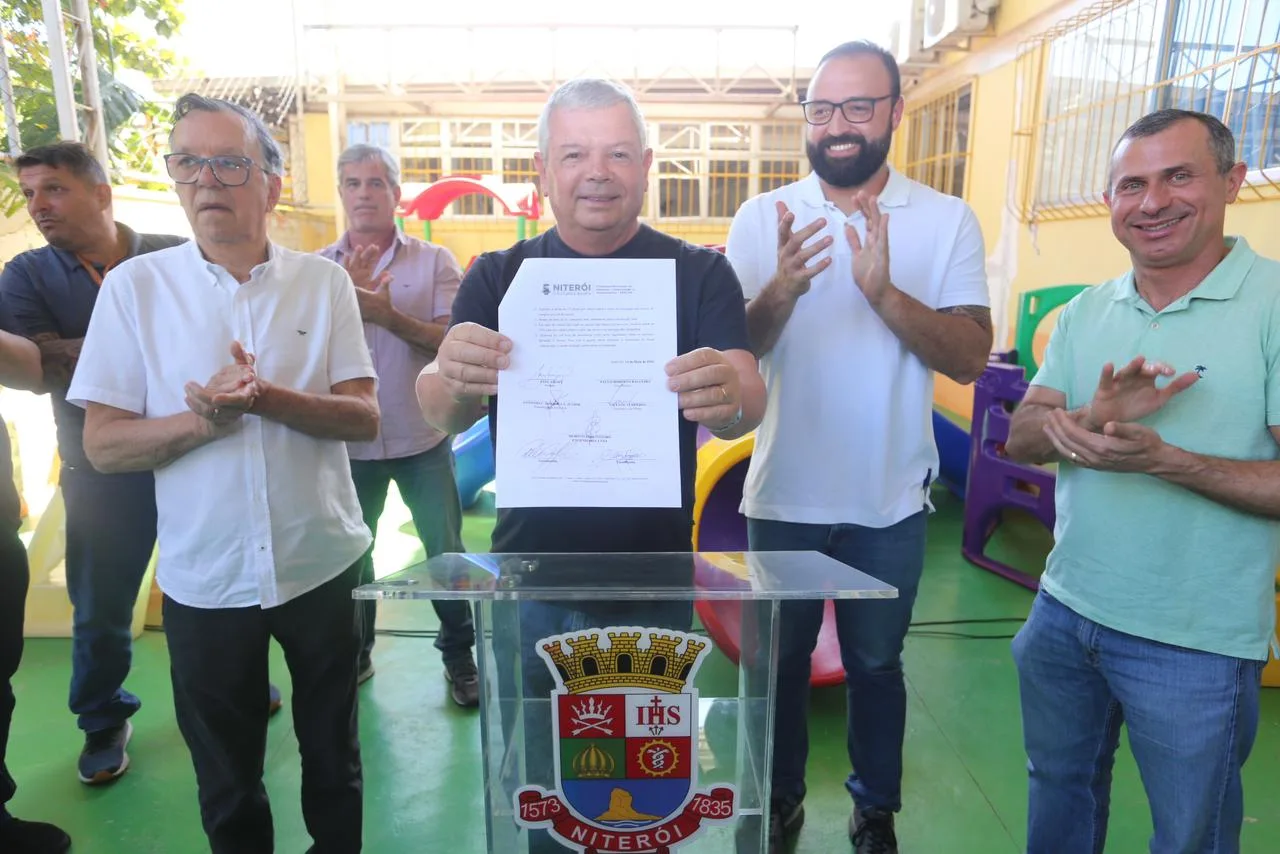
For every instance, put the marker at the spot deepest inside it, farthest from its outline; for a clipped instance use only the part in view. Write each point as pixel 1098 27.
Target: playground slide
pixel 718 526
pixel 1271 672
pixel 953 453
pixel 473 457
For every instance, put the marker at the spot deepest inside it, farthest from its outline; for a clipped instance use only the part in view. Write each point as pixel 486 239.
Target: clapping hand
pixel 230 393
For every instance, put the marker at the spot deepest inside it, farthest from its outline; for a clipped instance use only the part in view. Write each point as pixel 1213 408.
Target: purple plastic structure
pixel 996 483
pixel 722 527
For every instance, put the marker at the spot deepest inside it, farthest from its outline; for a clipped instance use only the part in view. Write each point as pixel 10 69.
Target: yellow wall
pixel 303 229
pixel 322 180
pixel 1011 14
pixel 18 234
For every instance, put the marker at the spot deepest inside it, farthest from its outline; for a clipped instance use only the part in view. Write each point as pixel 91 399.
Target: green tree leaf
pixel 124 42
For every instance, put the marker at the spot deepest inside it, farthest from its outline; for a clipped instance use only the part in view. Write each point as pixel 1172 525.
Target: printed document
pixel 585 418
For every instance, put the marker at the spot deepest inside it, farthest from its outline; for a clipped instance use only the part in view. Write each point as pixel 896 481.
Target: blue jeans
pixel 871 633
pixel 111 534
pixel 427 487
pixel 1192 717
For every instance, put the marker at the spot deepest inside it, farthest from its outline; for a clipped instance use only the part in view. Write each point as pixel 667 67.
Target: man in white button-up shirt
pixel 849 335
pixel 237 370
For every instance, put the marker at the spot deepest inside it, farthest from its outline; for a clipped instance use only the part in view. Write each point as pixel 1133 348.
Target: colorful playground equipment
pixel 719 527
pixel 995 482
pixel 1033 308
pixel 473 462
pixel 1271 673
pixel 428 201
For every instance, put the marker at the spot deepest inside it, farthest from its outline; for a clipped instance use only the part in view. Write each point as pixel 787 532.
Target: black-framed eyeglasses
pixel 856 110
pixel 229 170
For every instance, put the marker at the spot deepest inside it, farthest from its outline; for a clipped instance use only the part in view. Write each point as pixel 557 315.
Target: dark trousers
pixel 13 598
pixel 428 488
pixel 218 661
pixel 111 534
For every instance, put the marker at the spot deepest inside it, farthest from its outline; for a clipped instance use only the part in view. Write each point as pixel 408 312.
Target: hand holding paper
pixel 710 392
pixel 469 359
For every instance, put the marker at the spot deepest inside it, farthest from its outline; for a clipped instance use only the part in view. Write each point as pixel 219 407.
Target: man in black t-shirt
pixel 19 368
pixel 593 164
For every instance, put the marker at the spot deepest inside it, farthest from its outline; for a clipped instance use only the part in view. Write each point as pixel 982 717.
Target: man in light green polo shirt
pixel 1159 399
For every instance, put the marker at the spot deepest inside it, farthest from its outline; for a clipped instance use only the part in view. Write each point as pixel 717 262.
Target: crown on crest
pixel 591 666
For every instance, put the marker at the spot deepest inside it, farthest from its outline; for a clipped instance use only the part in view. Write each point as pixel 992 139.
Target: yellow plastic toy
pixel 1271 673
pixel 49 613
pixel 716 457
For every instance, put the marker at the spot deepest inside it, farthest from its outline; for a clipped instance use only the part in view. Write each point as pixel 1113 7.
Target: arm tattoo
pixel 979 314
pixel 58 357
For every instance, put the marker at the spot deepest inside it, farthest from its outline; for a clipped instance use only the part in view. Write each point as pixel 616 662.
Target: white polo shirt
pixel 847 435
pixel 267 513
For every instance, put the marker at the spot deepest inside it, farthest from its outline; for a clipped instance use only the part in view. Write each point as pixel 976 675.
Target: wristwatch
pixel 734 423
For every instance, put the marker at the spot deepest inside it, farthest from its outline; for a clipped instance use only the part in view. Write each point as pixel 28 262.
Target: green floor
pixel 965 785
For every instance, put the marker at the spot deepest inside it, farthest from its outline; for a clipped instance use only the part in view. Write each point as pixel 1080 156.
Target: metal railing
pixel 938 134
pixel 1082 83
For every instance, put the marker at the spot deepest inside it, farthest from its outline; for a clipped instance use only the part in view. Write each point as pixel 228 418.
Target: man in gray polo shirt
pixel 1160 401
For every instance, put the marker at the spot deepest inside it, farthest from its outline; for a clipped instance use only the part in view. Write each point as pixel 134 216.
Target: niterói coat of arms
pixel 625 729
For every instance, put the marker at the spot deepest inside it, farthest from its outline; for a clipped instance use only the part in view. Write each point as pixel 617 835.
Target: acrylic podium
pixel 598 733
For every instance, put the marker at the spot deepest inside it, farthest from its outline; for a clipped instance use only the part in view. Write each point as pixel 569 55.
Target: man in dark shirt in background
pixel 111 519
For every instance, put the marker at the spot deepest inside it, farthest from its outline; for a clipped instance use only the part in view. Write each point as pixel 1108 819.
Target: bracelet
pixel 737 419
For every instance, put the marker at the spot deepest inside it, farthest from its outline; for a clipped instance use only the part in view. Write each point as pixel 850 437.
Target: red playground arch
pixel 521 199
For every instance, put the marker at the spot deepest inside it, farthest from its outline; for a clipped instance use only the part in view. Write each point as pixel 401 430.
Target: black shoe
pixel 871 831
pixel 785 820
pixel 103 758
pixel 365 671
pixel 32 837
pixel 464 681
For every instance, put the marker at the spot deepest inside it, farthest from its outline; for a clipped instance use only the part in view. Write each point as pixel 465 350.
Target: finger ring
pixel 1074 455
pixel 724 393
pixel 216 410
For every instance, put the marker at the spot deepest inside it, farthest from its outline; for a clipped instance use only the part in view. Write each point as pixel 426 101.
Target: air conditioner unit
pixel 948 22
pixel 906 33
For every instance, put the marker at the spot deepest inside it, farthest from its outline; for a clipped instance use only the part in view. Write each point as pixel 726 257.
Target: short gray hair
pixel 272 157
pixel 1222 142
pixel 589 93
pixel 360 152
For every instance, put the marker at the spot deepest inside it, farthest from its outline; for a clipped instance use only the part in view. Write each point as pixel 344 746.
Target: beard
pixel 846 172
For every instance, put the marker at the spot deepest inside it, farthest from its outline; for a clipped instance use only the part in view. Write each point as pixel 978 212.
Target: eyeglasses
pixel 855 110
pixel 229 170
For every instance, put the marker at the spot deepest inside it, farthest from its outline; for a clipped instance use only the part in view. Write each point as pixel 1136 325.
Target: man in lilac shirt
pixel 405 288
